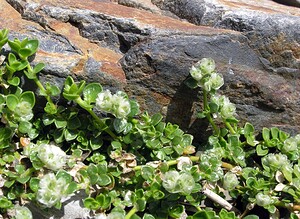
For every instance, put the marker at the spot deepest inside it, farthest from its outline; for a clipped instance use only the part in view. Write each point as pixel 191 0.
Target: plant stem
pixel 208 115
pixel 131 213
pixel 232 131
pixel 41 87
pixel 227 165
pixel 170 162
pixel 81 103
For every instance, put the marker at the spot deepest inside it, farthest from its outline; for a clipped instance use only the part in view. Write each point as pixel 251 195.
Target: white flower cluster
pixel 52 156
pixel 51 190
pixel 175 182
pixel 204 73
pixel 226 108
pixel 116 104
pixel 24 111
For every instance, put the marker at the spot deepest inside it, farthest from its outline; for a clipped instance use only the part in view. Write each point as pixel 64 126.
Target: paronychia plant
pixel 131 164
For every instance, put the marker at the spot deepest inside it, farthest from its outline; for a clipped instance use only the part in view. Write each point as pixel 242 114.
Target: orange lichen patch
pixel 115 70
pixel 266 6
pixel 90 50
pixel 140 17
pixel 161 99
pixel 51 57
pixel 12 20
pixel 79 68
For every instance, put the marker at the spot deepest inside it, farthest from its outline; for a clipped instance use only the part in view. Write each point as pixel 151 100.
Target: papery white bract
pixel 52 156
pixel 51 190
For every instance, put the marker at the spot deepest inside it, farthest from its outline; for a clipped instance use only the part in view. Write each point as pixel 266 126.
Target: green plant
pixel 129 163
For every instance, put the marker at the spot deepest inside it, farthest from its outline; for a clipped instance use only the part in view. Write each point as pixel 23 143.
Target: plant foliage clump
pixel 131 164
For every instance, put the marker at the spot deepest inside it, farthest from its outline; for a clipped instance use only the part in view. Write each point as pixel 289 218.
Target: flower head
pixel 51 190
pixel 52 156
pixel 214 83
pixel 230 181
pixel 116 104
pixel 24 111
pixel 226 108
pixel 263 199
pixel 204 73
pixel 275 161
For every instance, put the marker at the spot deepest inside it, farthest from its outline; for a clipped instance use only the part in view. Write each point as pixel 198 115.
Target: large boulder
pixel 147 47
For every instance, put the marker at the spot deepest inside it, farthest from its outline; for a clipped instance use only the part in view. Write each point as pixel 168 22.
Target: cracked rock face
pixel 146 48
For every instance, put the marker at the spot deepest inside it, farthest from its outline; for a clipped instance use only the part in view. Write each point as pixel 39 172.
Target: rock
pixel 140 47
pixel 72 208
pixel 272 29
pixel 289 2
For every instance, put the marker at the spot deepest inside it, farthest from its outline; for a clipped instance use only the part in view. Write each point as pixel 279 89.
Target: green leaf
pixel 38 67
pixel 116 145
pixel 3 37
pixel 81 86
pixel 14 81
pixel 58 135
pixel 5 134
pixel 24 126
pixel 176 211
pixel 60 123
pixel 24 179
pixel 24 53
pixel 96 143
pixel 213 107
pixel 48 119
pixel 248 129
pixel 12 101
pixel 14 45
pixel 104 180
pixel 191 83
pixel 34 184
pixel 157 194
pixel 156 118
pixel 52 89
pixel 29 97
pixel 287 172
pixel 252 216
pixel 32 46
pixel 72 187
pixel 91 203
pixel 50 108
pixel 147 172
pixel 91 91
pixel 5 203
pixel 65 175
pixel 134 108
pixel 148 216
pixel 119 125
pixel 261 150
pixel 141 204
pixel 205 215
pixel 70 134
pixel 266 134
